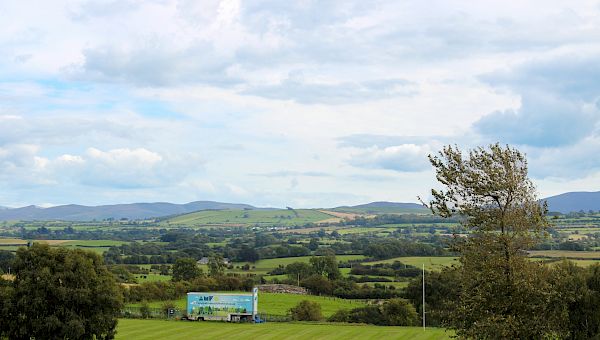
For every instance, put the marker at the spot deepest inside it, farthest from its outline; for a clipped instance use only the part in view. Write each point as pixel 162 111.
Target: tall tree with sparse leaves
pixel 501 293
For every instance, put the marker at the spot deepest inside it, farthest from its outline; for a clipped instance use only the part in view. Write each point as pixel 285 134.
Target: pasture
pixel 280 303
pixel 263 266
pixel 430 262
pixel 98 246
pixel 248 218
pixel 160 329
pixel 568 254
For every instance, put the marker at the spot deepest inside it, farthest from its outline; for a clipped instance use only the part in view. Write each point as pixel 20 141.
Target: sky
pixel 288 103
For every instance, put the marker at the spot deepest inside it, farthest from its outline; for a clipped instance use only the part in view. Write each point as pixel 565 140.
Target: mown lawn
pixel 160 329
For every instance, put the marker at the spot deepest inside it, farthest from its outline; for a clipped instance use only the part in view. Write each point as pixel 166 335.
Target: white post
pixel 423 296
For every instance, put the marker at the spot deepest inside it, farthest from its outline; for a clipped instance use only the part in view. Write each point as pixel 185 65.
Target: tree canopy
pixel 186 269
pixel 59 293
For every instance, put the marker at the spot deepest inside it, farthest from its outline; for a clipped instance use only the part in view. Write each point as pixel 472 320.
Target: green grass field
pixel 171 330
pixel 98 246
pixel 248 217
pixel 279 304
pixel 431 262
pixel 141 278
pixel 93 243
pixel 566 254
pixel 263 266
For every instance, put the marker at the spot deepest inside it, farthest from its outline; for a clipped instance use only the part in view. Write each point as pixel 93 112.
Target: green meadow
pixel 266 265
pixel 430 262
pixel 172 330
pixel 249 217
pixel 279 303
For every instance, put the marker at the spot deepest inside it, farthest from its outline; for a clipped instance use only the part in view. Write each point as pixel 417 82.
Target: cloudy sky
pixel 298 103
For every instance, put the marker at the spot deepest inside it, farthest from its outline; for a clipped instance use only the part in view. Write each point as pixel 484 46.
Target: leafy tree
pixel 441 289
pixel 313 244
pixel 326 266
pixel 59 293
pixel 394 312
pixel 317 284
pixel 306 311
pixel 145 310
pixel 580 298
pixel 6 258
pixel 6 313
pixel 248 254
pixel 398 312
pixel 216 265
pixel 186 269
pixel 298 270
pixel 122 274
pixel 502 294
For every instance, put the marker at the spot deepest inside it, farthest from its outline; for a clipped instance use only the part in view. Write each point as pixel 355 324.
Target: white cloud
pixel 333 102
pixel 403 158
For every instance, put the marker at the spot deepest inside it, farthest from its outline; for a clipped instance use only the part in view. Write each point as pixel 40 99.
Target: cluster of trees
pixel 306 311
pixel 397 269
pixel 58 293
pixel 170 290
pixel 401 219
pixel 6 259
pixel 386 249
pixel 394 312
pixel 496 292
pixel 321 276
pixel 562 300
pixel 124 233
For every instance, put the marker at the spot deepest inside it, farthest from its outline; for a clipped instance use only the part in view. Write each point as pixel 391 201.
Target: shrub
pixel 341 315
pixel 306 311
pixel 398 312
pixel 145 310
pixel 317 284
pixel 395 312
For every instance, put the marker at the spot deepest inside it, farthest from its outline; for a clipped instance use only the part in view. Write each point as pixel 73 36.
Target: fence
pixel 151 313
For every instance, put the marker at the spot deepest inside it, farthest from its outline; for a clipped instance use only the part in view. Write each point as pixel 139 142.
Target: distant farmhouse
pixel 204 260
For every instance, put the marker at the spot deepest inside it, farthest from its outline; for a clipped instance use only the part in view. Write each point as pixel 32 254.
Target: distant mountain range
pixel 563 203
pixel 383 207
pixel 574 201
pixel 73 212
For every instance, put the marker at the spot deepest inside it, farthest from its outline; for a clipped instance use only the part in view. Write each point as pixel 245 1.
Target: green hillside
pixel 249 217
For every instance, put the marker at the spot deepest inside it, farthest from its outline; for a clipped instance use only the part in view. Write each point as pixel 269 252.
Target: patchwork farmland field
pixel 98 246
pixel 249 217
pixel 566 254
pixel 159 329
pixel 266 265
pixel 430 262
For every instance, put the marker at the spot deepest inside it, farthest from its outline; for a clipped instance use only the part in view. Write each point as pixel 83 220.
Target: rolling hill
pixel 574 201
pixel 384 208
pixel 73 212
pixel 273 217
